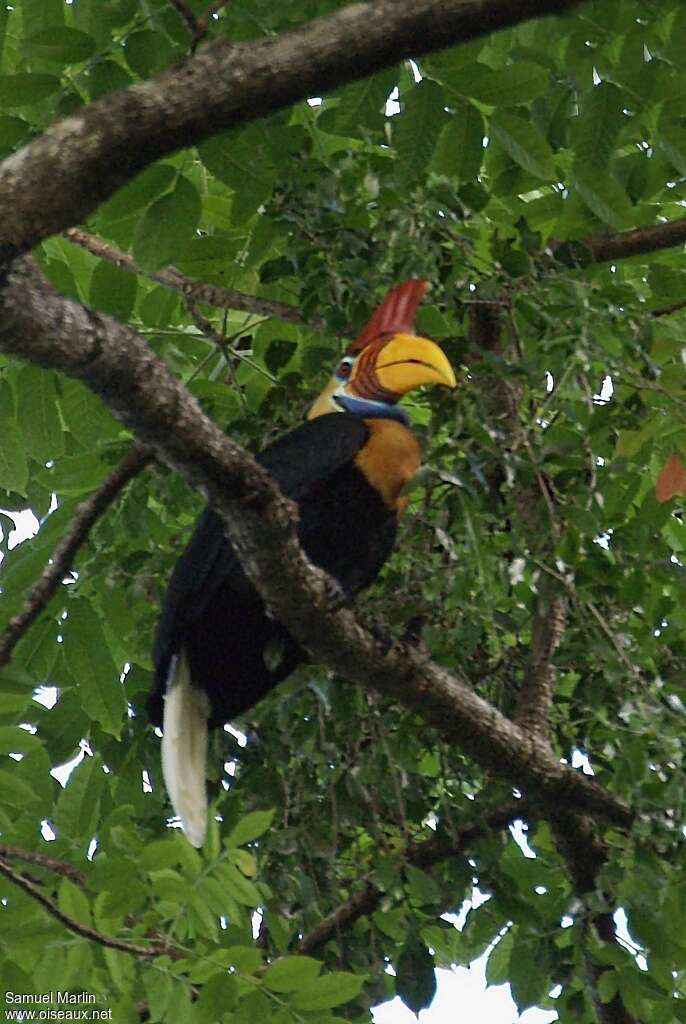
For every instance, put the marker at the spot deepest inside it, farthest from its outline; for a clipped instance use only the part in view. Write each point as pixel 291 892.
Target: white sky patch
pixel 580 760
pixel 63 771
pixel 607 390
pixel 25 525
pixel 623 934
pixel 393 103
pixel 47 696
pixel 464 988
pixel 47 831
pixel 239 736
pixel 518 832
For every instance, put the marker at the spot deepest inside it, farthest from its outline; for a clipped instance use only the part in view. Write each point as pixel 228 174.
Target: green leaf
pixel 603 195
pixel 78 805
pixel 138 193
pixel 74 474
pixel 507 86
pixel 498 963
pixel 167 227
pixel 221 990
pixel 147 52
pixel 422 887
pixel 417 128
pixel 106 76
pixel 525 144
pixel 91 665
pixel 13 132
pixel 113 290
pixel 597 128
pixel 672 141
pixel 528 981
pixel 16 793
pixel 59 46
pixel 608 985
pixel 14 740
pixel 415 980
pixel 249 827
pixel 14 470
pixel 290 973
pixel 23 90
pixel 40 421
pixel 460 147
pixel 238 887
pixel 73 902
pixel 360 105
pixel 328 991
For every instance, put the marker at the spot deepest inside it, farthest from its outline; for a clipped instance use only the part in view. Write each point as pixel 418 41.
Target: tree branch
pixel 9 852
pixel 192 290
pixel 538 691
pixel 85 517
pixel 107 142
pixel 636 242
pixel 585 855
pixel 38 324
pixel 155 948
pixel 422 854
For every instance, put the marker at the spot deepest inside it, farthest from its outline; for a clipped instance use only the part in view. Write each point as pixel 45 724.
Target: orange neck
pixel 389 459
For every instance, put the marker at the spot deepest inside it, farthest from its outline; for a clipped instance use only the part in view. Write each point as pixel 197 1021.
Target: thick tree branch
pixel 193 291
pixel 538 691
pixel 107 142
pixel 585 855
pixel 33 890
pixel 85 517
pixel 582 851
pixel 636 242
pixel 38 324
pixel 421 855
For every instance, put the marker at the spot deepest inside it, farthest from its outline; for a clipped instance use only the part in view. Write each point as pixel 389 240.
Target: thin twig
pixel 186 15
pixel 612 638
pixel 85 517
pixel 223 341
pixel 9 852
pixel 188 287
pixel 155 948
pixel 667 310
pixel 423 855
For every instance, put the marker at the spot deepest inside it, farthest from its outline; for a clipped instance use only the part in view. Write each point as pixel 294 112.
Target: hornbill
pixel 217 652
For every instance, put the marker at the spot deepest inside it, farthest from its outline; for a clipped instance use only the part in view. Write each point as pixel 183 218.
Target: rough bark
pixel 38 324
pixel 107 142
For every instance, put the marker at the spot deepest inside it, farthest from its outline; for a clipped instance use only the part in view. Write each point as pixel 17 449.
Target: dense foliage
pixel 490 169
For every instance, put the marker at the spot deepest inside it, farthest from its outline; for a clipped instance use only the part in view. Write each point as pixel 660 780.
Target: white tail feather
pixel 184 749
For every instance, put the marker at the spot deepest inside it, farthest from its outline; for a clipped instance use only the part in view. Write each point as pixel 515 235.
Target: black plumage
pixel 236 653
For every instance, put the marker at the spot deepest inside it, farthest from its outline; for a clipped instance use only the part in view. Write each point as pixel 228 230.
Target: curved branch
pixel 585 855
pixel 155 948
pixel 38 324
pixel 106 143
pixel 85 517
pixel 191 289
pixel 636 242
pixel 42 860
pixel 421 855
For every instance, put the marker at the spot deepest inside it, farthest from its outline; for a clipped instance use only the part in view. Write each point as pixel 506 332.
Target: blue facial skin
pixel 370 410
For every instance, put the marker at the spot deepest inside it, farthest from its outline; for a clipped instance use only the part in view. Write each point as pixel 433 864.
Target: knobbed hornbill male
pixel 217 652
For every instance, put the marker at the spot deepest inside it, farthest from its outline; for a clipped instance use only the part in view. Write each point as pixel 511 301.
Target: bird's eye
pixel 344 369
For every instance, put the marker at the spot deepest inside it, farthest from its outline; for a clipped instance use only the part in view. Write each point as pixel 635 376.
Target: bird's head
pixel 386 361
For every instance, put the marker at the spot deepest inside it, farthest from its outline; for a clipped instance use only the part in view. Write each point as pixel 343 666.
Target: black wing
pixel 300 461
